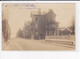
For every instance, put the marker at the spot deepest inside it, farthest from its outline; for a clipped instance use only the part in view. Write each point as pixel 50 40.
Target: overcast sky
pixel 18 14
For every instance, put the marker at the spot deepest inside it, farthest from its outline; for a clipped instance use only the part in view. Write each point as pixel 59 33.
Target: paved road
pixel 24 44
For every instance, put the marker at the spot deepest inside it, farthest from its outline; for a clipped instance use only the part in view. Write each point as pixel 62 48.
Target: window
pixel 36 19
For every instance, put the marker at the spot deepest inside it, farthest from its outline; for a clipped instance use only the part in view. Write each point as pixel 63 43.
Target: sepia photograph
pixel 38 27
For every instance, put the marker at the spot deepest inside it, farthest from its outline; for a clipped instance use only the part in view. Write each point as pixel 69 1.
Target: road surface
pixel 17 44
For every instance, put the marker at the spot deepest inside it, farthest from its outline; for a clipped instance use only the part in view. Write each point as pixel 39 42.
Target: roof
pixel 39 13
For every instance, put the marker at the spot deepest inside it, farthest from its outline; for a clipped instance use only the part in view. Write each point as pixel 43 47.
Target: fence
pixel 65 40
pixel 72 37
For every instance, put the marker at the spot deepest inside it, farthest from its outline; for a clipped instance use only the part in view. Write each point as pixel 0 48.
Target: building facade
pixel 44 25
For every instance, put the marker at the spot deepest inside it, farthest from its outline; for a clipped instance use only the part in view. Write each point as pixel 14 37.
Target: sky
pixel 18 14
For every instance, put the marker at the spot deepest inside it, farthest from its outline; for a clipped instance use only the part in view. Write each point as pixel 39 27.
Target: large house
pixel 44 25
pixel 41 26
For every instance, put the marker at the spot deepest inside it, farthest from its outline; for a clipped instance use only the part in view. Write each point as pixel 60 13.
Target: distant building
pixel 44 25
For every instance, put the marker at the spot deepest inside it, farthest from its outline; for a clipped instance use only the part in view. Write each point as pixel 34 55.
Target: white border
pixel 78 26
pixel 45 54
pixel 40 1
pixel 0 26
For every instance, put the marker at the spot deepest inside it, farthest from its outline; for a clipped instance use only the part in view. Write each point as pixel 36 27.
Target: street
pixel 19 44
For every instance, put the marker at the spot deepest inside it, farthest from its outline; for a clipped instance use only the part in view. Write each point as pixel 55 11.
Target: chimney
pixel 50 10
pixel 39 11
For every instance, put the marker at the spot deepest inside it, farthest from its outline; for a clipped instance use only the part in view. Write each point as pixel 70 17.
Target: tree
pixel 20 33
pixel 5 29
pixel 72 27
pixel 27 30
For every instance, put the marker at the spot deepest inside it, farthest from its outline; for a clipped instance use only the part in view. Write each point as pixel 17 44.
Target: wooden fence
pixel 72 37
pixel 65 40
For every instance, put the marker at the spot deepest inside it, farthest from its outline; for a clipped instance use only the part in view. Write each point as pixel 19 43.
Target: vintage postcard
pixel 38 26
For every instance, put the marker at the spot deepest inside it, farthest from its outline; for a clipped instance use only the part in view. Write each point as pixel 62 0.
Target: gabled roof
pixel 50 11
